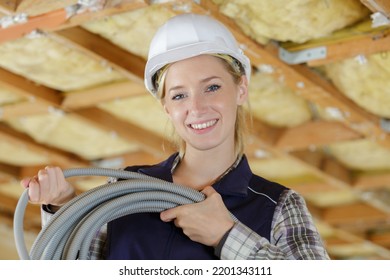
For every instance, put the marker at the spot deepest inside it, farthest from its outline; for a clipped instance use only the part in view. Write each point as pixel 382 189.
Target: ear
pixel 242 94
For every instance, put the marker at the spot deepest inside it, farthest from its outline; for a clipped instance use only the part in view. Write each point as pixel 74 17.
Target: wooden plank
pixel 22 109
pixel 129 65
pixel 129 159
pixel 328 166
pixel 49 20
pixel 382 6
pixel 93 96
pixel 111 7
pixel 10 170
pixel 313 134
pixel 64 160
pixel 56 19
pixel 303 80
pixel 380 238
pixel 370 181
pixel 362 46
pixel 359 39
pixel 37 7
pixel 310 188
pixel 31 91
pixel 8 6
pixel 355 215
pixel 146 140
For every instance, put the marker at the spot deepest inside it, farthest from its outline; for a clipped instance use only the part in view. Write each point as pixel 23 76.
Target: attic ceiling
pixel 72 95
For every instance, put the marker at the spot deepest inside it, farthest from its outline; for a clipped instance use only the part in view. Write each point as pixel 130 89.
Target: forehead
pixel 199 66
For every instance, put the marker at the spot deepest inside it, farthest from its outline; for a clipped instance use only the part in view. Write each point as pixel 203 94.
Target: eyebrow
pixel 205 80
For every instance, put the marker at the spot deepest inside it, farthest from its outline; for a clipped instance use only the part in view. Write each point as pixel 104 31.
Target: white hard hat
pixel 189 35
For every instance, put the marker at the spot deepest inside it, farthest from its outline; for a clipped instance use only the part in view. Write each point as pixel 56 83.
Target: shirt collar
pixel 233 182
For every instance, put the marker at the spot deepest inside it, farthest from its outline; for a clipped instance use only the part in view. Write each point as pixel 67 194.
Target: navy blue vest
pixel 250 198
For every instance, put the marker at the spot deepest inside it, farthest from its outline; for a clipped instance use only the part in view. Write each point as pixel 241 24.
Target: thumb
pixel 209 190
pixel 25 182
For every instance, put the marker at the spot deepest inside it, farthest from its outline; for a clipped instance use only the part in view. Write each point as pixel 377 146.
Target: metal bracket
pixel 385 124
pixel 302 56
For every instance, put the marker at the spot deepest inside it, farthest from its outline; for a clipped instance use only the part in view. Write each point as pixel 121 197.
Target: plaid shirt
pixel 293 234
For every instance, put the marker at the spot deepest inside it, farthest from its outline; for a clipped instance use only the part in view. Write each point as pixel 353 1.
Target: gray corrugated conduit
pixel 69 232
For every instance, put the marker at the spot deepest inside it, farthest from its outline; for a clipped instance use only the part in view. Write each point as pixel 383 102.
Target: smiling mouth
pixel 199 126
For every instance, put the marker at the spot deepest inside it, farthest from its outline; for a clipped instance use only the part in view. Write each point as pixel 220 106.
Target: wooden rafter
pixel 43 96
pixel 51 20
pixel 93 96
pixel 301 79
pixel 29 90
pixel 8 6
pixel 372 181
pixel 382 6
pixel 361 39
pixel 56 19
pixel 38 7
pixel 301 144
pixel 314 134
pixel 147 140
pixel 55 156
pixel 358 215
pixel 129 65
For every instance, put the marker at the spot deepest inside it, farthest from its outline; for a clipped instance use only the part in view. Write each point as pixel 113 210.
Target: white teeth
pixel 203 125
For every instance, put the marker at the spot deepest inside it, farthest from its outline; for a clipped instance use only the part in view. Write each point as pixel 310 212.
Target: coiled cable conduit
pixel 69 232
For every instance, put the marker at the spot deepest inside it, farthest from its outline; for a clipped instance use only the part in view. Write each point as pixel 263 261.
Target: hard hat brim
pixel 158 61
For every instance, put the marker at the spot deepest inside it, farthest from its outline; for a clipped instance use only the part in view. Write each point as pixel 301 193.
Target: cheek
pixel 175 113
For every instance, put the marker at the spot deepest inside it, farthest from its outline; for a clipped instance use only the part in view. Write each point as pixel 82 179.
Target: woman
pixel 201 78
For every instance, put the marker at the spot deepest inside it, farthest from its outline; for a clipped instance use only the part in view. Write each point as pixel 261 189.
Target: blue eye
pixel 177 96
pixel 213 88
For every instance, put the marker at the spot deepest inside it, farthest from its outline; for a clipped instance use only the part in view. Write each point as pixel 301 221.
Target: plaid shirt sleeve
pixel 97 249
pixel 293 235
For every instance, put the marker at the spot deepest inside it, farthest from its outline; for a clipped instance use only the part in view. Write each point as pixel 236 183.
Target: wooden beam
pixel 49 20
pixel 111 7
pixel 355 215
pixel 129 65
pixel 328 166
pixel 362 46
pixel 57 16
pixel 309 188
pixel 314 134
pixel 303 80
pixel 23 109
pixel 129 159
pixel 13 171
pixel 359 39
pixel 32 213
pixel 265 132
pixel 93 96
pixel 8 6
pixel 42 96
pixel 146 140
pixel 29 90
pixel 37 7
pixel 370 181
pixel 382 6
pixel 381 238
pixel 55 156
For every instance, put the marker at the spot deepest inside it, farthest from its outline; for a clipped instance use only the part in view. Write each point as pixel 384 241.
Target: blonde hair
pixel 237 71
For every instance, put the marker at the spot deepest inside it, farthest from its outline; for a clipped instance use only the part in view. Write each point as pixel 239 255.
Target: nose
pixel 198 105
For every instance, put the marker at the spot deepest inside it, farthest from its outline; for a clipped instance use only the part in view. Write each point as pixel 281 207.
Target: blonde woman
pixel 200 76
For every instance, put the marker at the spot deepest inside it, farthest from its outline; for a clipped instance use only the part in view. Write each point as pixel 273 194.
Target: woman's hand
pixel 49 187
pixel 205 222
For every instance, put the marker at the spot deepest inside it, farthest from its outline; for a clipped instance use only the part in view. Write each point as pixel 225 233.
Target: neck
pixel 198 169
